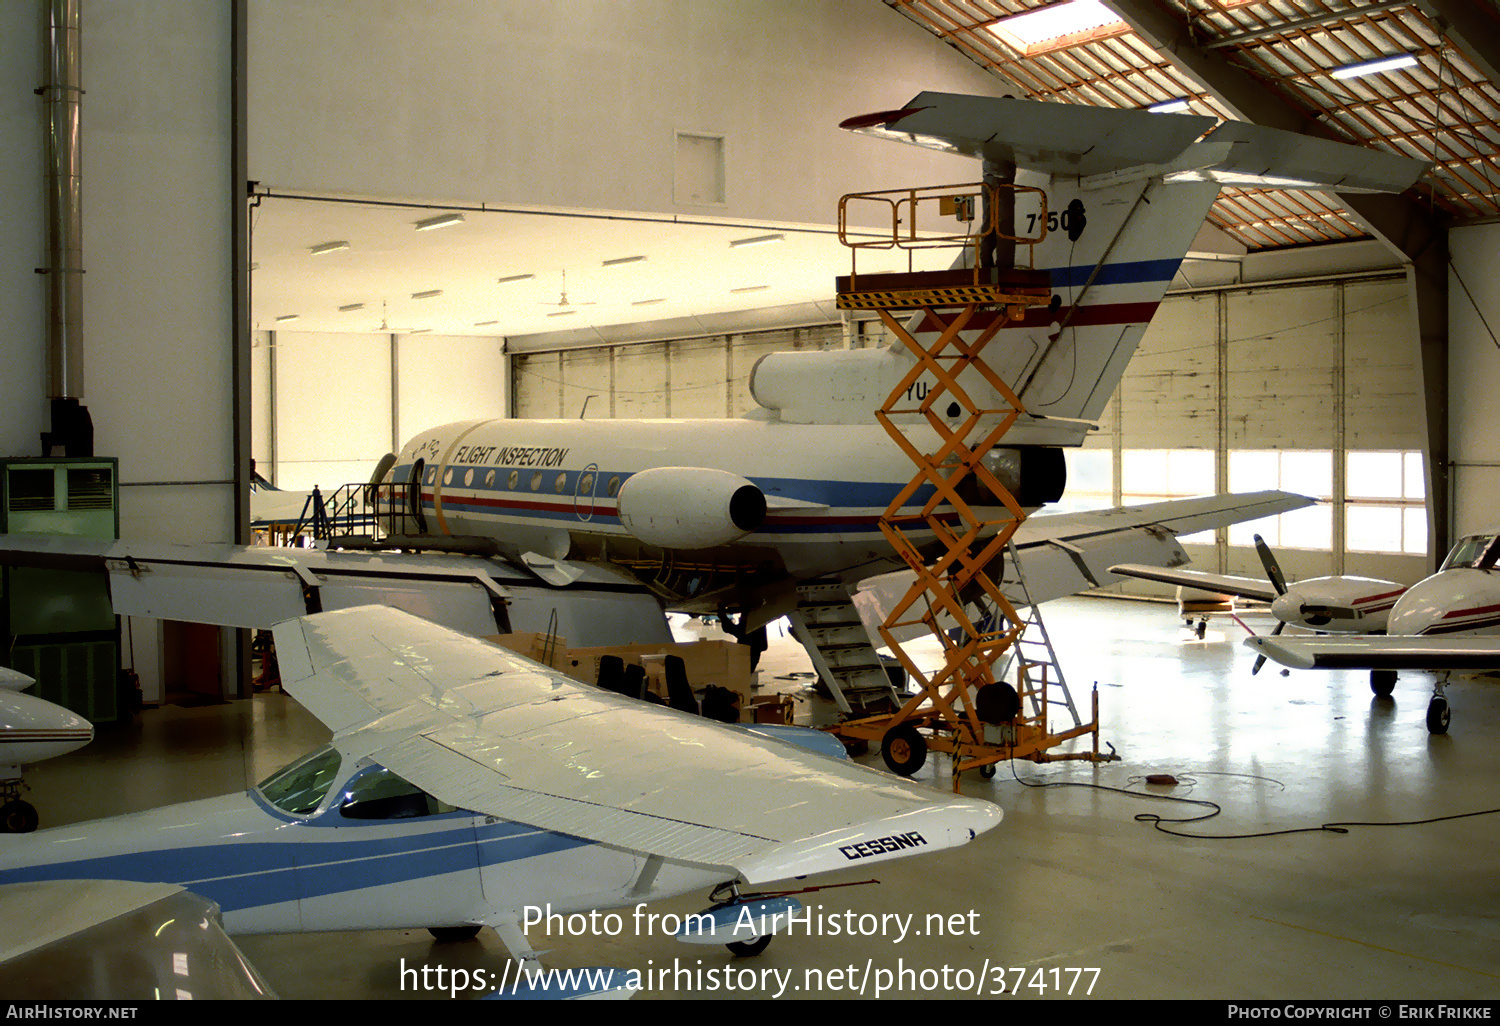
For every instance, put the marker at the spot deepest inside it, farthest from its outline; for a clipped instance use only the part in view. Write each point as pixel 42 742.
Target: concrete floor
pixel 1070 880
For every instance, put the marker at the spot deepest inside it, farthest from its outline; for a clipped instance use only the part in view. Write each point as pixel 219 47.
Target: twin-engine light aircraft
pixel 1341 604
pixel 1449 621
pixel 467 786
pixel 31 729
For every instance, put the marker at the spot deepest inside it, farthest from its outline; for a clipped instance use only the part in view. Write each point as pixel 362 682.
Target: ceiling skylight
pixel 1056 25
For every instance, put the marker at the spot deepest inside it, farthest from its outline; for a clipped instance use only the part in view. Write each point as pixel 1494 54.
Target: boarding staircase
pixel 828 624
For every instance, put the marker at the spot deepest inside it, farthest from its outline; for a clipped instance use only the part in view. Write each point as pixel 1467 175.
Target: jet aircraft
pixel 1448 621
pixel 756 517
pixel 459 791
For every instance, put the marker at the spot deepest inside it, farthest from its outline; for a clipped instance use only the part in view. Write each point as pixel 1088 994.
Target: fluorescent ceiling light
pixel 351 308
pixel 516 277
pixel 286 317
pixel 327 247
pixel 758 240
pixel 1379 64
pixel 441 221
pixel 617 261
pixel 484 324
pixel 1170 106
pixel 649 302
pixel 1031 32
pixel 752 288
pixel 562 313
pixel 429 294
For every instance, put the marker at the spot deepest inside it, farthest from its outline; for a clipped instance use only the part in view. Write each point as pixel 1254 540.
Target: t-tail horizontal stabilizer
pixel 1107 144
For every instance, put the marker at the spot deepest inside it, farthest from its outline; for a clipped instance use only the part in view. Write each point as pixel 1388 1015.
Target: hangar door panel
pixel 1169 397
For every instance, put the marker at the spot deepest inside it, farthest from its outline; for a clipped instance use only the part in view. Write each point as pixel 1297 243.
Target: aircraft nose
pixel 1288 606
pixel 1422 605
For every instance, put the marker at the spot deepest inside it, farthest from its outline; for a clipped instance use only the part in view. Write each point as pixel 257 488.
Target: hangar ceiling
pixel 1441 108
pixel 1444 107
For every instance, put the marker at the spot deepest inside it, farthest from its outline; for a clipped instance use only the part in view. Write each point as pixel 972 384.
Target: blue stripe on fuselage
pixel 250 874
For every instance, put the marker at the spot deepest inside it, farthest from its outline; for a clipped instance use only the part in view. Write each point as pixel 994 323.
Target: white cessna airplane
pixel 467 786
pixel 1449 621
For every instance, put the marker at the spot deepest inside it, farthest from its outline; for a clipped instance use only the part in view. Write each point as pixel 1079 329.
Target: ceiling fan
pixel 563 305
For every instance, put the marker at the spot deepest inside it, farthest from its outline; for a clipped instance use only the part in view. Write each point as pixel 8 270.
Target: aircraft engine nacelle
pixel 690 507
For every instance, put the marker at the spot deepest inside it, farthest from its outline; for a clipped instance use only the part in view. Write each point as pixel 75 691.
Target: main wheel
pixel 750 948
pixel 1383 682
pixel 1437 716
pixel 17 817
pixel 903 749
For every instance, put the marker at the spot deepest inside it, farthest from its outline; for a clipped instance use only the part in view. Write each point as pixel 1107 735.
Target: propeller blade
pixel 1273 569
pixel 1260 660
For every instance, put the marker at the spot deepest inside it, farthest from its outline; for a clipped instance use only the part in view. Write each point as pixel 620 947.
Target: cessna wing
pixel 486 730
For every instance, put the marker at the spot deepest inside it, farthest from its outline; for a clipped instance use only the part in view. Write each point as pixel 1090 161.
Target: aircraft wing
pixel 1382 652
pixel 258 586
pixel 487 730
pixel 1219 584
pixel 1065 553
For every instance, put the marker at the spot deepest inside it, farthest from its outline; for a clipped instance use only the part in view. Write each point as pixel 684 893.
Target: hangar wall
pixel 388 387
pixel 1474 362
pixel 580 104
pixel 156 128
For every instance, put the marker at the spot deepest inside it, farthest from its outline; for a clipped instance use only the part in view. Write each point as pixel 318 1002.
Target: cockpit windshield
pixel 299 788
pixel 1478 551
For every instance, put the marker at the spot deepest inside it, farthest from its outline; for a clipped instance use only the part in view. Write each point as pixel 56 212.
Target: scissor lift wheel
pixel 904 749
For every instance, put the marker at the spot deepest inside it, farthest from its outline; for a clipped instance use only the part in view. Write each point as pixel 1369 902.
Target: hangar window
pixel 1304 471
pixel 1386 507
pixel 1155 475
pixel 1091 481
pixel 299 788
pixel 380 794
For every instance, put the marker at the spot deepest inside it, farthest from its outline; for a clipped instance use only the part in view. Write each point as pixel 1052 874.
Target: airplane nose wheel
pixel 1437 715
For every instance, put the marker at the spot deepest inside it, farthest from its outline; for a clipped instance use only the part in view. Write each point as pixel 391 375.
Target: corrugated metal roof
pixel 1443 109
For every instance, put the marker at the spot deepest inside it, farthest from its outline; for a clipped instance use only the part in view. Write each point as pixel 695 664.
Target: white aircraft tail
pixel 1115 200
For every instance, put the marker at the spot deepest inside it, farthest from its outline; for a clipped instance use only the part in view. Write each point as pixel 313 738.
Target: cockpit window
pixel 380 794
pixel 1477 550
pixel 300 787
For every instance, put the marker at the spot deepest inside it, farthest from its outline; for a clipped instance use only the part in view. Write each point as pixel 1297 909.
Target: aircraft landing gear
pixel 1437 709
pixel 749 949
pixel 18 817
pixel 1383 682
pixel 904 749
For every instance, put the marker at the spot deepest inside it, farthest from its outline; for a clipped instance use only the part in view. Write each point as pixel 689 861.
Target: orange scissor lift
pixel 948 543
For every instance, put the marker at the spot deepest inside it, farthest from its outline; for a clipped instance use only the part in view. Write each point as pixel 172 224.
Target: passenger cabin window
pixel 380 794
pixel 300 787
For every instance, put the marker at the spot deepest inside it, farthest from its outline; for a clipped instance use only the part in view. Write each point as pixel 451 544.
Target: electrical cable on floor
pixel 1157 822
